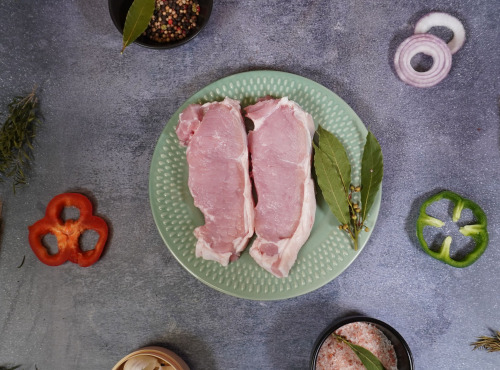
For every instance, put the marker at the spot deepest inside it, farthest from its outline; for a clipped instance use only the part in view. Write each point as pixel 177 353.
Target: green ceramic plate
pixel 328 251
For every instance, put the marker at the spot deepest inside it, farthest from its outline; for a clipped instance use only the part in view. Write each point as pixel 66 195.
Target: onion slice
pixel 427 44
pixel 438 19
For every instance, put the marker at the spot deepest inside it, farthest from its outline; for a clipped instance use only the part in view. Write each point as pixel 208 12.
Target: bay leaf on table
pixel 138 18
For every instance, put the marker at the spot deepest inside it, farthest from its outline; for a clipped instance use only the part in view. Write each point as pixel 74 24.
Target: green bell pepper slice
pixel 477 231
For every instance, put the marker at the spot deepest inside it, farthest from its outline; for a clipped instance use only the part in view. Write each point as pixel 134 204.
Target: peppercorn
pixel 173 20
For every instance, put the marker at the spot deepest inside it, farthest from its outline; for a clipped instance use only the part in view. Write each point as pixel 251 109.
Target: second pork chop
pixel 280 146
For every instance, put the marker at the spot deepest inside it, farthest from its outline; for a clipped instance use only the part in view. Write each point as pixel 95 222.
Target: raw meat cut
pixel 280 148
pixel 219 181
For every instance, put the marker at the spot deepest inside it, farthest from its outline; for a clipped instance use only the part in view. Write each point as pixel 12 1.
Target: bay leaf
pixel 368 359
pixel 331 146
pixel 372 170
pixel 330 183
pixel 138 18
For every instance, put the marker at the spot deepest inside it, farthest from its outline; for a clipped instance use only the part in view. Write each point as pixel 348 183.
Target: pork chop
pixel 219 181
pixel 281 147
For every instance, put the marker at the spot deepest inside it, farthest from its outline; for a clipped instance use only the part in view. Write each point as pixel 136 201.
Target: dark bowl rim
pixel 119 27
pixel 357 318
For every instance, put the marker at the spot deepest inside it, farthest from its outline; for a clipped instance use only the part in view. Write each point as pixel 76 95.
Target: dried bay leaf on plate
pixel 331 186
pixel 372 171
pixel 334 149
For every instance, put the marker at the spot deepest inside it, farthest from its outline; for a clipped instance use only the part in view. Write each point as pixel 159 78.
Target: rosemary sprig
pixel 16 138
pixel 488 343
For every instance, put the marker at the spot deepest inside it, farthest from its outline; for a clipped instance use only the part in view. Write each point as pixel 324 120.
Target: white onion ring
pixel 427 44
pixel 437 19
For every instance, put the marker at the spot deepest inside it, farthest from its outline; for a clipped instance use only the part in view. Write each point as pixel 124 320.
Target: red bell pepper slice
pixel 68 232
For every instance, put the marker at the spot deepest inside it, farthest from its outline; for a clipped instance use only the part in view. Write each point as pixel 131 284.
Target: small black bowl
pixel 403 353
pixel 118 10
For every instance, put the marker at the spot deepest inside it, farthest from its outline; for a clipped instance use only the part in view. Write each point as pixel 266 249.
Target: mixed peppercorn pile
pixel 173 20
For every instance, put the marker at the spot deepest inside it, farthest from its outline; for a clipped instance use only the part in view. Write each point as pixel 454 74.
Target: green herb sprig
pixel 333 171
pixel 488 343
pixel 17 135
pixel 369 360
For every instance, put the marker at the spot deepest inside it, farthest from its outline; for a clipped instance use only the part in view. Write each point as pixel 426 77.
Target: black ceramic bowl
pixel 118 10
pixel 403 353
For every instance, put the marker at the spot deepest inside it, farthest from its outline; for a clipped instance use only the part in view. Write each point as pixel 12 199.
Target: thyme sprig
pixel 488 343
pixel 357 222
pixel 17 135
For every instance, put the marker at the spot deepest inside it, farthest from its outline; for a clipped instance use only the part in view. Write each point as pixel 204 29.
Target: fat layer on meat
pixel 281 147
pixel 217 156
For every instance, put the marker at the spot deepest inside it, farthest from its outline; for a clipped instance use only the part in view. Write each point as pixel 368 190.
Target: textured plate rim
pixel 197 97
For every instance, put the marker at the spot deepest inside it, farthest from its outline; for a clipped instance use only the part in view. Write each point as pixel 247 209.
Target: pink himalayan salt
pixel 334 355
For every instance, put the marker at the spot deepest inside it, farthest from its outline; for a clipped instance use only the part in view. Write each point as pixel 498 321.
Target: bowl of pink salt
pixel 340 345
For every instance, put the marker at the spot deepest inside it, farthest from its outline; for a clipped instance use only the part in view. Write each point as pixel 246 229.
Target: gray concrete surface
pixel 103 114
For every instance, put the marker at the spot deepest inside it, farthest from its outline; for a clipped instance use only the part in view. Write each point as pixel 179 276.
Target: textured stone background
pixel 103 114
